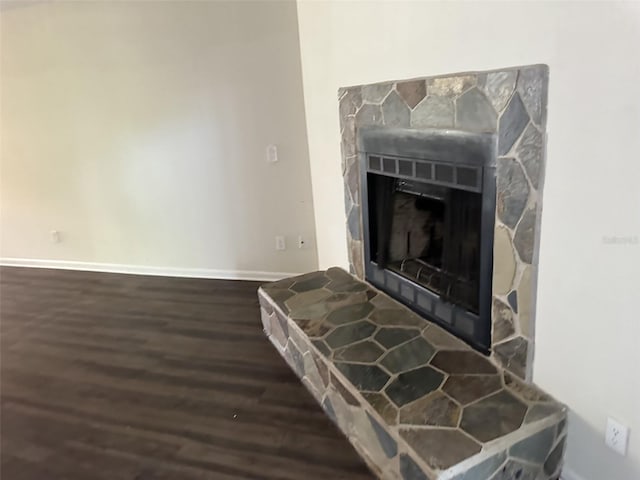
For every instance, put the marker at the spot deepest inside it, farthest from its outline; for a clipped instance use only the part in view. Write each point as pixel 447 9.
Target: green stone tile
pixel 390 337
pixel 459 362
pixel 435 409
pixel 366 352
pixel 350 333
pixel 440 449
pixel 364 377
pixel 350 313
pixel 407 356
pixel 493 417
pixel 469 388
pixel 412 385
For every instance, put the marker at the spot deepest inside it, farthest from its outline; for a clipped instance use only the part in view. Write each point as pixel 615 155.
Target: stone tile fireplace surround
pixel 416 402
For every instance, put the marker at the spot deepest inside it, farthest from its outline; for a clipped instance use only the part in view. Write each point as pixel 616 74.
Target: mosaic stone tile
pixel 266 320
pixel 483 470
pixel 435 409
pixel 389 337
pixel 512 298
pixel 280 297
pixel 469 388
pixel 369 115
pixel 322 347
pixel 524 237
pixel 525 301
pixel 328 408
pixel 535 448
pixel 512 193
pixel 366 352
pixel 383 406
pixel 375 93
pixel 511 124
pixel 282 284
pixel 312 283
pixel 346 395
pixel 364 377
pixel 394 316
pixel 276 331
pixel 353 222
pixel 524 390
pixel 450 86
pixel 440 449
pixel 541 410
pixel 295 358
pixel 350 313
pixel 265 305
pixel 499 86
pixel 458 362
pixel 515 470
pixel 493 417
pixel 504 262
pixel 352 179
pixel 503 321
pixel 313 328
pixel 309 312
pixel 306 299
pixel 350 102
pixel 395 111
pixel 409 470
pixel 554 459
pixel 320 366
pixel 531 87
pixel 412 92
pixel 410 386
pixel 512 355
pixel 409 355
pixel 529 151
pixel 433 112
pixel 312 373
pixel 350 333
pixel 348 143
pixel 388 444
pixel 474 113
pixel 442 339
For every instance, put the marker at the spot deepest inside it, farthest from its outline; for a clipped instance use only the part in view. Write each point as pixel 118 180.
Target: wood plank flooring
pixel 107 376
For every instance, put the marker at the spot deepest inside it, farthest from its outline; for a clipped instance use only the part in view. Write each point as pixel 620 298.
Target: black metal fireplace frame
pixel 413 155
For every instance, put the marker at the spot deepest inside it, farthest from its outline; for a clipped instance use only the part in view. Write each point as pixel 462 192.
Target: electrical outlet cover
pixel 616 436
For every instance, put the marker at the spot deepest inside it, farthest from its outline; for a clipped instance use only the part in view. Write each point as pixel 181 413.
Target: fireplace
pixel 428 216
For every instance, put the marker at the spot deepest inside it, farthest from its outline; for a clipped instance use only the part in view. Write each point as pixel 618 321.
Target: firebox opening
pixel 428 234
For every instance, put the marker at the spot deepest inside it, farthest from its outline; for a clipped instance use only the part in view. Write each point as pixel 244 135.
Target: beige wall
pixel 588 326
pixel 138 130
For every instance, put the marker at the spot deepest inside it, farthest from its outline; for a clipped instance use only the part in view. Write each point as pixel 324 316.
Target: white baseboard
pixel 146 270
pixel 568 474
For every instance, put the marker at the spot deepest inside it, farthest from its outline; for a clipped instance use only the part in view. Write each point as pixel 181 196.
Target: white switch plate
pixel 280 243
pixel 272 153
pixel 616 436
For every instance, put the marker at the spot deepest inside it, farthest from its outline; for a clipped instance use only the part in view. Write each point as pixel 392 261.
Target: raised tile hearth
pixel 415 401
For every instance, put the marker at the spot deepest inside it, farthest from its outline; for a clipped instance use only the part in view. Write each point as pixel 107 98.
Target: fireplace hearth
pixel 428 210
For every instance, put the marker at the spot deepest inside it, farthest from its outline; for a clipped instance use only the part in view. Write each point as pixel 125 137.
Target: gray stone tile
pixel 383 406
pixel 412 92
pixel 348 141
pixel 512 191
pixel 524 390
pixel 353 222
pixel 484 470
pixel 440 449
pixel 469 388
pixel 554 459
pixel 277 332
pixel 435 409
pixel 389 337
pixel 523 240
pixel 474 112
pixel 409 470
pixel 532 87
pixel 502 321
pixel 541 410
pixel 388 444
pixel 442 339
pixel 375 93
pixel 365 352
pixel 344 392
pixel 511 124
pixel 350 333
pixel 328 409
pixel 407 356
pixel 295 357
pixel 499 86
pixel 512 298
pixel 350 313
pixel 512 355
pixel 504 262
pixel 535 448
pixel 394 316
pixel 513 470
pixel 410 386
pixel 306 299
pixel 530 153
pixel 322 347
pixel 395 111
pixel 493 417
pixel 313 328
pixel 350 101
pixel 450 86
pixel 460 362
pixel 433 112
pixel 363 377
pixel 369 115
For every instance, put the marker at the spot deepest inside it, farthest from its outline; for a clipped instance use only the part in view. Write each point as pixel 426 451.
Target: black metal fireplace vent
pixel 428 214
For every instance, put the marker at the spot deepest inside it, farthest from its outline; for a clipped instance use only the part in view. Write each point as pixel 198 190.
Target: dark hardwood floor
pixel 107 376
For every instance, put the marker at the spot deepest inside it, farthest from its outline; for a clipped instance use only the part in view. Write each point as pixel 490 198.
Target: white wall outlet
pixel 616 436
pixel 301 242
pixel 272 153
pixel 55 236
pixel 280 243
